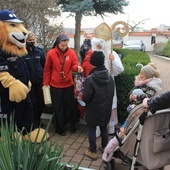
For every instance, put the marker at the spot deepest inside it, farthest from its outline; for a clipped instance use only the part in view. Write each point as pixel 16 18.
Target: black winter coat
pixel 85 47
pixel 35 61
pixel 98 95
pixel 159 102
pixel 15 66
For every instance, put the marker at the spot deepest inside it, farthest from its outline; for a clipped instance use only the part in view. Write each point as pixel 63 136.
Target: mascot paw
pixel 36 136
pixel 18 136
pixel 18 91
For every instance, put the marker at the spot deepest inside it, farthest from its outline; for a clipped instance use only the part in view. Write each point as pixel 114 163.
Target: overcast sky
pixel 156 11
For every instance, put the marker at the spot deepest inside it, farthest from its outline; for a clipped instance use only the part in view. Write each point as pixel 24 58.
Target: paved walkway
pixel 77 143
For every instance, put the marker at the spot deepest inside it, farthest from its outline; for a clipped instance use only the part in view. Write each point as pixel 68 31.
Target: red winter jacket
pixel 53 66
pixel 87 67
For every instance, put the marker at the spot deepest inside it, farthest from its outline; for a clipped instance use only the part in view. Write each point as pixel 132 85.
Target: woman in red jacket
pixel 60 62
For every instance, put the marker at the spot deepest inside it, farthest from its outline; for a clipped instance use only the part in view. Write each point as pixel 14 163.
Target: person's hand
pixel 138 78
pixel 122 132
pixel 145 103
pixel 80 69
pixel 85 46
pixel 111 57
pixel 45 86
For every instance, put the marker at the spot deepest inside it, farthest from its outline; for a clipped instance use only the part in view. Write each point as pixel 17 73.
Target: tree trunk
pixel 78 18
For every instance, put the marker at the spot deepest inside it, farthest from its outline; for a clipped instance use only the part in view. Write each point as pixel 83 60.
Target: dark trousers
pixel 36 95
pixel 92 136
pixel 64 107
pixel 22 112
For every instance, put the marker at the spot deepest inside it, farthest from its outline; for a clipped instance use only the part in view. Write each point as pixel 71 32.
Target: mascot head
pixel 13 34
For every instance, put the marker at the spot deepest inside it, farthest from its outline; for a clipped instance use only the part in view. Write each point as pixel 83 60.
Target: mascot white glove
pixel 17 90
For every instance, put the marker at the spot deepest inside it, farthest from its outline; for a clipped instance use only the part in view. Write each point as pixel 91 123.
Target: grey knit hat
pixel 148 71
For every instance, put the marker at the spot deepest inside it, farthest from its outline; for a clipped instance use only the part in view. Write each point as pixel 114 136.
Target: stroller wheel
pixel 109 165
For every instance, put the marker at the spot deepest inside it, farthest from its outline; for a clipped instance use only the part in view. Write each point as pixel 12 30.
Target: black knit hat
pixel 97 58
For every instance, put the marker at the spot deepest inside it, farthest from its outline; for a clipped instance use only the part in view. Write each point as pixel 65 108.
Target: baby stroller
pixel 146 144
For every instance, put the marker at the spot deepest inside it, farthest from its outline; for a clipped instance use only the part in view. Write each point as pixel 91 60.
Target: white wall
pixel 71 41
pixel 147 40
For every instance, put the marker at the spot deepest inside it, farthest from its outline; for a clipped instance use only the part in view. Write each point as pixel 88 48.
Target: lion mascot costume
pixel 14 77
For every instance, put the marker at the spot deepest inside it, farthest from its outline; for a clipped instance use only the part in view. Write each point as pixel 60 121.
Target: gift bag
pixel 78 92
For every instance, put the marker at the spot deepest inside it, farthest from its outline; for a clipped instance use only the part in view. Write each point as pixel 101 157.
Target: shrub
pixel 166 50
pixel 19 154
pixel 158 48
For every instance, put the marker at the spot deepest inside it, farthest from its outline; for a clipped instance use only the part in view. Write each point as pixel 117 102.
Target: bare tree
pixel 133 24
pixel 167 36
pixel 39 16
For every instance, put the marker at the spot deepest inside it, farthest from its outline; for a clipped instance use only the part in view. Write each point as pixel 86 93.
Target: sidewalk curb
pixel 161 57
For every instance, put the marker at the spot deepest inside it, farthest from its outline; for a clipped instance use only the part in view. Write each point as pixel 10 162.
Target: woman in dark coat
pixel 35 61
pixel 157 103
pixel 98 95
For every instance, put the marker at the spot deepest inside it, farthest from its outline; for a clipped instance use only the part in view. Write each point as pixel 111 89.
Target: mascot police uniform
pixel 14 78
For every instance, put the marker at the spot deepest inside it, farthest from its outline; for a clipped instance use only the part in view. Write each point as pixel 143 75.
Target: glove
pixel 17 90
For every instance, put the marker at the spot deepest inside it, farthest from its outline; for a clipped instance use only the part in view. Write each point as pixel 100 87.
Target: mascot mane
pixel 5 42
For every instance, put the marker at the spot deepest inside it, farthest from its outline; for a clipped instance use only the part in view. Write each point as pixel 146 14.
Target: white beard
pixel 105 48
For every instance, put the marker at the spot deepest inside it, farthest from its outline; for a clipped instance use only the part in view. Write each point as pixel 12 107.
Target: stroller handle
pixel 141 120
pixel 142 117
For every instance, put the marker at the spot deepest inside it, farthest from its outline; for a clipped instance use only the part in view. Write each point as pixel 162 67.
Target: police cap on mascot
pixel 14 77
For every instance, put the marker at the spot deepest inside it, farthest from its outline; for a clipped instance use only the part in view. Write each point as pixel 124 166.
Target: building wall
pixel 144 36
pixel 71 40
